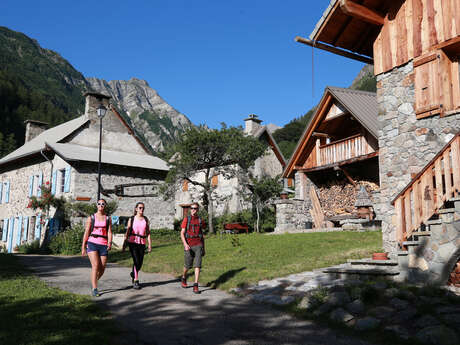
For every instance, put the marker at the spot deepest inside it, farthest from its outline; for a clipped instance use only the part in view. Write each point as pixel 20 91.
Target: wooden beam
pixel 348 176
pixel 318 134
pixel 359 11
pixel 334 50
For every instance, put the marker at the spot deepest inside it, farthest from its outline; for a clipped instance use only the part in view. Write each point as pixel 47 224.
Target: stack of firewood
pixel 339 199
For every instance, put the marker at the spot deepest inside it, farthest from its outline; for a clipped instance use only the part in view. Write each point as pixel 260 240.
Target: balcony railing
pixel 343 150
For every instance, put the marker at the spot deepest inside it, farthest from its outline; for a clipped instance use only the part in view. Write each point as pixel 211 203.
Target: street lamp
pixel 101 110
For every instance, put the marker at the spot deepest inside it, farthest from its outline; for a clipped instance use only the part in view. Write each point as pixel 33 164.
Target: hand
pixel 109 247
pixel 149 249
pixel 83 252
pixel 186 247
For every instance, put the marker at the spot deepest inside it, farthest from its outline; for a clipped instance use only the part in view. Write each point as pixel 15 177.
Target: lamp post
pixel 101 110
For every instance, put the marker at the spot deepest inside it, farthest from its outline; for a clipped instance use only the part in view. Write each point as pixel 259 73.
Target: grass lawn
pixel 32 313
pixel 234 260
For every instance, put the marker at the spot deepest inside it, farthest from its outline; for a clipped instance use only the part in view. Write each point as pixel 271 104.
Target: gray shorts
pixel 193 256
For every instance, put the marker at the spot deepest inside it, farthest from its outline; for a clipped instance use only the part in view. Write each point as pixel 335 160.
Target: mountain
pixel 156 120
pixel 39 84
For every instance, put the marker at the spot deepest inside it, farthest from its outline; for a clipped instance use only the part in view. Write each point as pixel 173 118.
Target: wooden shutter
pixel 214 181
pixel 427 85
pixel 67 180
pixel 18 232
pixel 31 186
pixel 10 235
pixel 38 227
pixel 53 183
pixel 185 185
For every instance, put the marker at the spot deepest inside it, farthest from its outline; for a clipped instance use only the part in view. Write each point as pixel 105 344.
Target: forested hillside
pixel 288 136
pixel 35 83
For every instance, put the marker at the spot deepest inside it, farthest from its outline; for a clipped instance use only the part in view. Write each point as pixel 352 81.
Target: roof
pixel 339 29
pixel 54 134
pixel 72 152
pixel 272 142
pixel 362 105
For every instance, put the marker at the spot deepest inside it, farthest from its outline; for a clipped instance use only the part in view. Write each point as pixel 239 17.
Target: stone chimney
pixel 34 128
pixel 93 101
pixel 251 124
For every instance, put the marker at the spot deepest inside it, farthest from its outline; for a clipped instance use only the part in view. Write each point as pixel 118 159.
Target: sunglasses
pixel 101 204
pixel 140 207
pixel 194 208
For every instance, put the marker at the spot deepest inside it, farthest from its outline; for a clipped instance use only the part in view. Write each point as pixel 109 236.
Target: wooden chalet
pixel 414 46
pixel 339 143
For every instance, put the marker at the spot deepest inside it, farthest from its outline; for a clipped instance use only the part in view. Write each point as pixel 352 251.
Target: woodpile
pixel 339 199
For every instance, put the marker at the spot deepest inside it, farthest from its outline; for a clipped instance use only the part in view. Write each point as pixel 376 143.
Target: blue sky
pixel 214 61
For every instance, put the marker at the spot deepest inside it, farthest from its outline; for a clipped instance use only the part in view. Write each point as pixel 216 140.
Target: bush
pixel 30 248
pixel 68 242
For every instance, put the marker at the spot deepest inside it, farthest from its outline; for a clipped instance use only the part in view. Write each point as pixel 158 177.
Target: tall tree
pixel 203 151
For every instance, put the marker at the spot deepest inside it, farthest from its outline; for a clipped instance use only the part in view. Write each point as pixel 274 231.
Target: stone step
pixel 411 243
pixel 371 262
pixel 446 210
pixel 421 233
pixel 402 252
pixel 434 222
pixel 361 273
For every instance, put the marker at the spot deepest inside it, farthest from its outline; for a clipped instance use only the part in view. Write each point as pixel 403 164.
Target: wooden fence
pixel 422 198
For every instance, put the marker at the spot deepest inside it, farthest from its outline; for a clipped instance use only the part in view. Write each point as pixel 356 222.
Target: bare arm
pixel 85 236
pixel 109 235
pixel 184 242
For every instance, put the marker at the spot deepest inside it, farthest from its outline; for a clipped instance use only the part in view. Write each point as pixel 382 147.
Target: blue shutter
pixel 10 235
pixel 115 220
pixel 1 191
pixel 19 232
pixel 53 183
pixel 67 180
pixel 7 192
pixel 5 229
pixel 26 228
pixel 31 186
pixel 38 227
pixel 40 182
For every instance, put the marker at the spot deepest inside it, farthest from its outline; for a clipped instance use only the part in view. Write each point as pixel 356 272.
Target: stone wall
pixel 406 144
pixel 291 215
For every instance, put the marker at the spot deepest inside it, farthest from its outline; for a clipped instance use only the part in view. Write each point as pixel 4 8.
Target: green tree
pixel 227 152
pixel 262 189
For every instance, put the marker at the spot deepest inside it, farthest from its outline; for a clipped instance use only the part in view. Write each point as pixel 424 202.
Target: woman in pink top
pixel 97 241
pixel 137 234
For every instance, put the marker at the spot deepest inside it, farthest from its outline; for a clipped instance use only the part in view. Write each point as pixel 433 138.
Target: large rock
pixel 438 335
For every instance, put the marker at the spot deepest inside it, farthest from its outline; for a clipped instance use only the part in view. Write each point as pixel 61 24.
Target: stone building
pixel 336 154
pixel 414 47
pixel 66 158
pixel 227 191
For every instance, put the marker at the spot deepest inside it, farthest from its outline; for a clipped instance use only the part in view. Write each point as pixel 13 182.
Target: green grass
pixel 34 314
pixel 236 260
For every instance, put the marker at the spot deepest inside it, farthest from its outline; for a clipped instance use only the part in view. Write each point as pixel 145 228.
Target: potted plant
pixel 380 256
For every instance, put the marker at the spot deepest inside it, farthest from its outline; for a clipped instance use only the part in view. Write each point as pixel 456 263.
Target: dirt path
pixel 164 313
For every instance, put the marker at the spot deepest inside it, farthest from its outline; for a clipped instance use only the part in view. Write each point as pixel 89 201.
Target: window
pixel 61 182
pixel 214 181
pixel 185 185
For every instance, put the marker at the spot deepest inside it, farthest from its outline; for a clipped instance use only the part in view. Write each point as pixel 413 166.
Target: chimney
pixel 93 101
pixel 251 124
pixel 34 128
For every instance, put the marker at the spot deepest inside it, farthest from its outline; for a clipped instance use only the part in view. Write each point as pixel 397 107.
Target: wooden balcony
pixel 343 150
pixel 426 193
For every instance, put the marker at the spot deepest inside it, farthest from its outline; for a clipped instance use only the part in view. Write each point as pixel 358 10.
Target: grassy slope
pixel 234 260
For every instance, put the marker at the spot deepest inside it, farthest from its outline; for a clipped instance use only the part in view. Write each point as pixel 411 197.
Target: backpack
pixel 131 227
pixel 92 226
pixel 200 233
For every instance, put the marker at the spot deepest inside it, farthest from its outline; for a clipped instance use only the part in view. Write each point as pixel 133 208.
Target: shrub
pixel 68 242
pixel 30 248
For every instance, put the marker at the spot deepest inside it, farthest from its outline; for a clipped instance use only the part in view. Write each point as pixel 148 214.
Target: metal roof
pixel 72 152
pixel 361 104
pixel 54 134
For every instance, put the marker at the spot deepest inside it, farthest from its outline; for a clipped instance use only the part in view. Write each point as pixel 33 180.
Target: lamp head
pixel 101 110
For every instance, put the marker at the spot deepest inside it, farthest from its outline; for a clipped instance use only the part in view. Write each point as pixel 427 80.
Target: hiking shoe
pixel 136 285
pixel 95 293
pixel 132 277
pixel 183 282
pixel 195 288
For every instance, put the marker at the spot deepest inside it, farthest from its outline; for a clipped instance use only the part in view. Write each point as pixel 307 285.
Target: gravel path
pixel 164 313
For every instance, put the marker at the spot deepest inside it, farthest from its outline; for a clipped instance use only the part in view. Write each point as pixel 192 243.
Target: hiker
pixel 192 238
pixel 136 233
pixel 97 241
